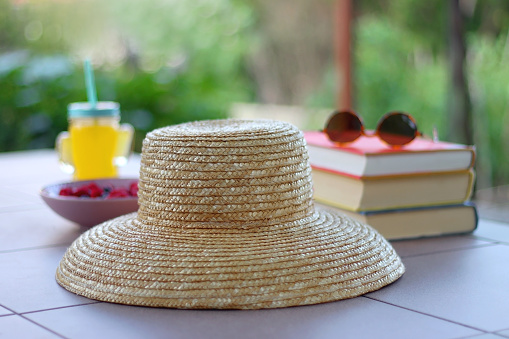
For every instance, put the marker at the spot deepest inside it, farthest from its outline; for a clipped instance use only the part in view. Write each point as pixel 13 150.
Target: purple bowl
pixel 87 211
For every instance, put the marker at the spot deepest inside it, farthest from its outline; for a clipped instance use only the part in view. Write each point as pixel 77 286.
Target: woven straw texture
pixel 226 221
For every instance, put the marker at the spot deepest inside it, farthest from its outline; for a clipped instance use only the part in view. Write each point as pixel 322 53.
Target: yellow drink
pixel 93 148
pixel 96 144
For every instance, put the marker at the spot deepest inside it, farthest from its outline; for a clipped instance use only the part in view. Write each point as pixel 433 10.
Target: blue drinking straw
pixel 90 83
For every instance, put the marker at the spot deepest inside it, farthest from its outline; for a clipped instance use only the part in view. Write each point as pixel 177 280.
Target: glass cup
pixel 96 143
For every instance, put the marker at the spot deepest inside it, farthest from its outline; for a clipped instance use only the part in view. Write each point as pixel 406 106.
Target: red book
pixel 369 156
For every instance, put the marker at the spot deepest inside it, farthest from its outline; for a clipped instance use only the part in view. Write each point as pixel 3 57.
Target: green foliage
pixel 395 73
pixel 425 21
pixel 170 61
pixel 34 93
pixel 487 17
pixel 392 71
pixel 489 71
pixel 395 68
pixel 186 64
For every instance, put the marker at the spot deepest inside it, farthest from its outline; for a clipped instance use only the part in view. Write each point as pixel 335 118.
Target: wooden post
pixel 460 127
pixel 343 51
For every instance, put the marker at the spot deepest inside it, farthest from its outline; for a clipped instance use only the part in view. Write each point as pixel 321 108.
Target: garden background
pixel 170 61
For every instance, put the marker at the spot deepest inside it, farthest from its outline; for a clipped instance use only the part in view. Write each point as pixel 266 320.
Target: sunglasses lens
pixel 343 127
pixel 397 129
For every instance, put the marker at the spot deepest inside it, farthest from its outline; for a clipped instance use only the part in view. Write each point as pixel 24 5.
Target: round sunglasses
pixel 395 128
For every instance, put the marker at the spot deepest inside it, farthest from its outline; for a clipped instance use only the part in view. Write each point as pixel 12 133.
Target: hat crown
pixel 230 172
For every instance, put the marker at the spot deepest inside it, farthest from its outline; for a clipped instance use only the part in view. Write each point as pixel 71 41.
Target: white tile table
pixel 454 287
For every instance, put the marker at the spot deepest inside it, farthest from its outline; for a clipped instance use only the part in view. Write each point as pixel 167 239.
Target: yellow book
pixel 391 192
pixel 420 222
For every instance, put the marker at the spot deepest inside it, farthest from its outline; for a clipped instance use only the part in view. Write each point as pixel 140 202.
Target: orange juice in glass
pixel 96 143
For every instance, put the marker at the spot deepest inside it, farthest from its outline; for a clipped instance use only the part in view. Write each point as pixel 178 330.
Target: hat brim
pixel 324 257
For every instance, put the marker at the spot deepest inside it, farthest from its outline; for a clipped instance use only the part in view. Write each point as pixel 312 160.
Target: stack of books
pixel 422 189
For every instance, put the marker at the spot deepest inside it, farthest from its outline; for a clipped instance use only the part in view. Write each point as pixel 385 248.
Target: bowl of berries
pixel 91 202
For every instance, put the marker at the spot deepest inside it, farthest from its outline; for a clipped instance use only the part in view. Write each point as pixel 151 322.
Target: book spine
pixel 471 182
pixel 389 176
pixel 431 207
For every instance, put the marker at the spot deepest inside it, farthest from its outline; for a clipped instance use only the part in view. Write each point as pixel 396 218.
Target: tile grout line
pixel 427 314
pixel 477 335
pixel 25 249
pixel 44 327
pixel 497 242
pixel 33 322
pixel 61 307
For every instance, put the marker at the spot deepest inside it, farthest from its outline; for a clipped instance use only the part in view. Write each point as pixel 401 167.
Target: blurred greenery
pixel 190 67
pixel 489 69
pixel 400 63
pixel 383 52
pixel 169 61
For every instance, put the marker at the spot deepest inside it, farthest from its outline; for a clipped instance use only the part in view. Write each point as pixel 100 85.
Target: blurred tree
pixel 401 58
pixel 460 127
pixel 293 49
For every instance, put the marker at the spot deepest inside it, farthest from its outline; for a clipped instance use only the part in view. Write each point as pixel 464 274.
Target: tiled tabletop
pixel 454 287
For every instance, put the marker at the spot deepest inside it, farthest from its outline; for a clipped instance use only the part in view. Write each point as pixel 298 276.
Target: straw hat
pixel 226 220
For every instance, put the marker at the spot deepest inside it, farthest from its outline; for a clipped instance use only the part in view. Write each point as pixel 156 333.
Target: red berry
pixel 118 193
pixel 93 186
pixel 133 189
pixel 95 192
pixel 82 191
pixel 66 191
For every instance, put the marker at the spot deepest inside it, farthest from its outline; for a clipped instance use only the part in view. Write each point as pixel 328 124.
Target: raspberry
pixel 118 193
pixel 133 189
pixel 66 192
pixel 82 191
pixel 93 186
pixel 93 190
